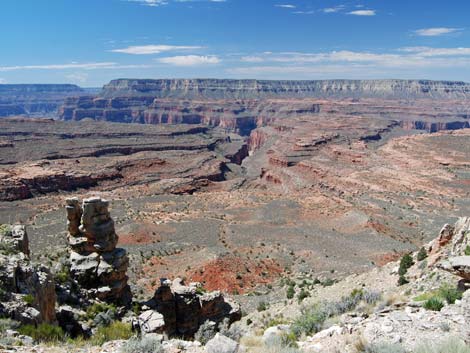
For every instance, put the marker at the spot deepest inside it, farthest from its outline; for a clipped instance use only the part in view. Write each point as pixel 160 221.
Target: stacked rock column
pixel 96 264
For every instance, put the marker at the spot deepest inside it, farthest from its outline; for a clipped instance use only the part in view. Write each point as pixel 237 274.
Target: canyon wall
pixel 241 106
pixel 258 89
pixel 34 99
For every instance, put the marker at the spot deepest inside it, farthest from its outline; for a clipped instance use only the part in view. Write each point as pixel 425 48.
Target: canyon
pixel 42 100
pixel 235 184
pixel 248 180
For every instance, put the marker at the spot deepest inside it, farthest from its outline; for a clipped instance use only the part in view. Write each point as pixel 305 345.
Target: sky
pixel 90 42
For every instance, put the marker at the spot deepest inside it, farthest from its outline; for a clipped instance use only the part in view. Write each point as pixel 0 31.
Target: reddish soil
pixel 233 274
pixel 382 260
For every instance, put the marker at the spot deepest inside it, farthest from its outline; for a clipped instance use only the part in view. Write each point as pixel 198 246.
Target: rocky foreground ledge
pixel 86 298
pixel 417 305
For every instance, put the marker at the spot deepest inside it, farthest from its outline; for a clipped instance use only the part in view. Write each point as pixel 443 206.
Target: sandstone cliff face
pixel 256 89
pixel 434 126
pixel 241 106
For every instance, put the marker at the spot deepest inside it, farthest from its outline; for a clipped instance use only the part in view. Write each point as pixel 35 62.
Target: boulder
pixel 69 319
pixel 151 321
pixel 275 332
pixel 222 344
pixel 458 265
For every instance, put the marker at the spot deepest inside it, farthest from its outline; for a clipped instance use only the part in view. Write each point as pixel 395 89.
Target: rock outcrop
pixel 222 344
pixel 457 258
pixel 177 309
pixel 16 238
pixel 96 263
pixel 27 290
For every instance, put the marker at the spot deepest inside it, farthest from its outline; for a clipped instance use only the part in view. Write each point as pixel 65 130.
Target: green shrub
pixel 302 295
pixel 290 292
pixel 136 308
pixel 7 249
pixel 43 332
pixel 384 348
pixel 450 345
pixel 402 280
pixel 405 263
pixel 8 324
pixel 116 331
pixel 262 306
pixel 434 303
pixel 278 345
pixel 289 339
pixel 97 308
pixel 63 275
pixel 467 250
pixel 4 229
pixel 312 318
pixel 449 294
pixel 426 296
pixel 28 299
pixel 422 254
pixel 357 292
pixel 201 290
pixel 446 293
pixel 278 320
pixel 142 345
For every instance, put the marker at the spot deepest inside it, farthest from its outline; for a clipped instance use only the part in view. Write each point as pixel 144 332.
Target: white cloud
pixel 310 12
pixel 77 77
pixel 252 59
pixel 156 3
pixel 153 3
pixel 2 81
pixel 333 9
pixel 436 31
pixel 430 52
pixel 362 13
pixel 153 49
pixel 190 60
pixel 85 66
pixel 286 6
pixel 411 59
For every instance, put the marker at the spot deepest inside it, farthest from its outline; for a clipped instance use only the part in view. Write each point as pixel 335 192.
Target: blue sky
pixel 89 42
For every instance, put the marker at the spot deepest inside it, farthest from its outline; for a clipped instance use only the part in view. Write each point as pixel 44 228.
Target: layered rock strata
pixel 96 263
pixel 256 89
